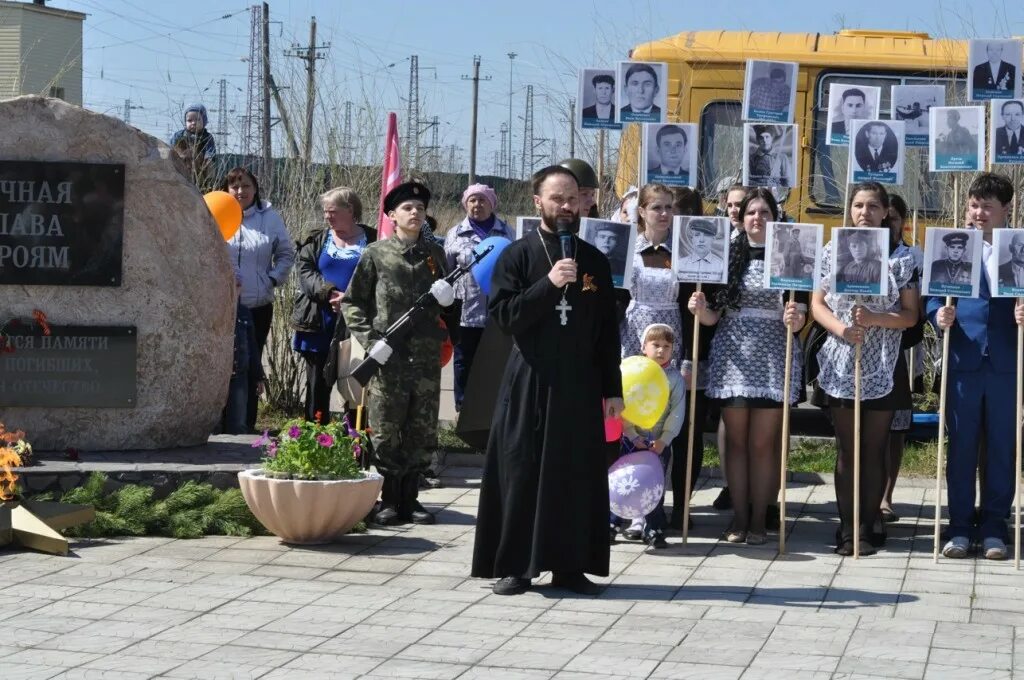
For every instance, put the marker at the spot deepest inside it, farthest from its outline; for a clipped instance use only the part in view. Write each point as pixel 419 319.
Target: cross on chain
pixel 563 308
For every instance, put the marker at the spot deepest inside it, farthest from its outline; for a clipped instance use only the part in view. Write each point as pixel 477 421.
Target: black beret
pixel 951 239
pixel 406 192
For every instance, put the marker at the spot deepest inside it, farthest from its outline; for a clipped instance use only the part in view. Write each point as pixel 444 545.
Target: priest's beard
pixel 552 220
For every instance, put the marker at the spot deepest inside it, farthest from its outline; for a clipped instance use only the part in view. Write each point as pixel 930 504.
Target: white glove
pixel 443 292
pixel 380 352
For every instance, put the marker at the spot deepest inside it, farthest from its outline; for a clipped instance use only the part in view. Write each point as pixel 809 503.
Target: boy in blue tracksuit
pixel 980 393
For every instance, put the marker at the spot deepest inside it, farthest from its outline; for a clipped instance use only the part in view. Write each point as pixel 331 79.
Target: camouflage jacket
pixel 389 278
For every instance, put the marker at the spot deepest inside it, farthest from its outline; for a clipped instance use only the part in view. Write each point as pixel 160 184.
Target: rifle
pixel 404 325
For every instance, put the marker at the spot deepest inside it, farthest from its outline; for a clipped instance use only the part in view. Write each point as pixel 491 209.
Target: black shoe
pixel 724 500
pixel 389 510
pixel 889 517
pixel 772 520
pixel 387 515
pixel 576 582
pixel 656 540
pixel 410 509
pixel 511 585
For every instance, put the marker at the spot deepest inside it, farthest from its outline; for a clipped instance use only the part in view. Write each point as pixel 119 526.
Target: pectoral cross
pixel 563 308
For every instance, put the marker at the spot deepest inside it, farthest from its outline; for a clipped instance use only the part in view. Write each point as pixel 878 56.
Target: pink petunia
pixel 294 432
pixel 325 440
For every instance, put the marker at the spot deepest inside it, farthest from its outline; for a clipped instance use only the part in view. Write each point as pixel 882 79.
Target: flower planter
pixel 309 512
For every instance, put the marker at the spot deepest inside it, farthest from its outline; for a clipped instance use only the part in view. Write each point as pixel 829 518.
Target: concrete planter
pixel 309 512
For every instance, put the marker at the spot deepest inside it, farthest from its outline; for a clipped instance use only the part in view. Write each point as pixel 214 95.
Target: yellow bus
pixel 705 86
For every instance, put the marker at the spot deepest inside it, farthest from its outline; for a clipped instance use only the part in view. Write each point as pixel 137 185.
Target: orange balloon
pixel 447 349
pixel 226 211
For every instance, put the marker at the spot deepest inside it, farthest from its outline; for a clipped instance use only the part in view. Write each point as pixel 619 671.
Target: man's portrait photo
pixel 670 154
pixel 952 262
pixel 956 138
pixel 596 97
pixel 994 66
pixel 769 91
pixel 526 226
pixel 911 104
pixel 700 252
pixel 793 254
pixel 643 95
pixel 877 152
pixel 770 158
pixel 859 261
pixel 1007 136
pixel 616 240
pixel 847 103
pixel 1008 257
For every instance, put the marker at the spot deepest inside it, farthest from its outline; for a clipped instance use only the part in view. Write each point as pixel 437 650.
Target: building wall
pixel 51 55
pixel 10 51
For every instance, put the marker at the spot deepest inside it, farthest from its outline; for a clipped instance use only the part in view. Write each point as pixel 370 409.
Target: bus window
pixel 721 147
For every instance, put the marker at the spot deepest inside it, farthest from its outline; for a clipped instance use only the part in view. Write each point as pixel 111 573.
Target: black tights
pixel 874 446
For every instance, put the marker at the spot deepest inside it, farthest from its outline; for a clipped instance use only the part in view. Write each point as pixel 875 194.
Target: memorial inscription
pixel 61 224
pixel 90 366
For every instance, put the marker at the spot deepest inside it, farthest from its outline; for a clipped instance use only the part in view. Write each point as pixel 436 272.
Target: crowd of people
pixel 544 498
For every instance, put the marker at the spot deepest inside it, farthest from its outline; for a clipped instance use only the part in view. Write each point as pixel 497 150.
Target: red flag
pixel 390 177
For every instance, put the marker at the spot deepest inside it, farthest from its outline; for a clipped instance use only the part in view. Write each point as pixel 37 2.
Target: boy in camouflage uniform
pixel 404 397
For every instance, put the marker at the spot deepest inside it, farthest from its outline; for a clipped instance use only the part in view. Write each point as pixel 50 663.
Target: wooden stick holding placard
pixel 785 434
pixel 856 452
pixel 910 352
pixel 1020 414
pixel 694 362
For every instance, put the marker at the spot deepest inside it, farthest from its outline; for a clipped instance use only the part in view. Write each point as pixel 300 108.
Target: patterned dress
pixel 881 347
pixel 655 300
pixel 748 353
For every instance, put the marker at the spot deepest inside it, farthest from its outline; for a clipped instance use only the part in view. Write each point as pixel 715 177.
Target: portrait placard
pixel 643 92
pixel 1006 264
pixel 596 99
pixel 701 248
pixel 847 103
pixel 769 91
pixel 956 138
pixel 616 241
pixel 61 224
pixel 878 151
pixel 88 366
pixel 1006 144
pixel 792 255
pixel 526 226
pixel 952 262
pixel 771 155
pixel 994 68
pixel 860 261
pixel 911 104
pixel 669 154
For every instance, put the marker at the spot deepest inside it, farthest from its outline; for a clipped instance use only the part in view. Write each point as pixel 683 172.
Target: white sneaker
pixel 956 547
pixel 994 548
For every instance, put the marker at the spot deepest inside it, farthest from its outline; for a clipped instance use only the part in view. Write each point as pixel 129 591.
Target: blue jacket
pixel 984 325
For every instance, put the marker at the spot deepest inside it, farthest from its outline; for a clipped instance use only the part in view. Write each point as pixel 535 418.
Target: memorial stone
pixel 102 231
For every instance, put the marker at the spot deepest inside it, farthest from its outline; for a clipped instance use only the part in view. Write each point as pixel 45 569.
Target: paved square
pixel 397 603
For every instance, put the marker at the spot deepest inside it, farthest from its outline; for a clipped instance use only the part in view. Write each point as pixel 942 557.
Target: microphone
pixel 564 237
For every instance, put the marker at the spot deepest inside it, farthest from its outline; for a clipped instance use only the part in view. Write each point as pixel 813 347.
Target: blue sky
pixel 163 55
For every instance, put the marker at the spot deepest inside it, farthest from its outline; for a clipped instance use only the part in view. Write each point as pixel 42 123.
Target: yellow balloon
pixel 226 211
pixel 645 391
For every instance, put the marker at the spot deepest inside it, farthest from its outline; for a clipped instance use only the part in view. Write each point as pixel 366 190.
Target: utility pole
pixel 503 165
pixel 472 132
pixel 293 146
pixel 498 167
pixel 222 112
pixel 309 54
pixel 528 133
pixel 128 106
pixel 451 159
pixel 268 152
pixel 431 158
pixel 346 149
pixel 572 128
pixel 412 119
pixel 252 128
pixel 511 60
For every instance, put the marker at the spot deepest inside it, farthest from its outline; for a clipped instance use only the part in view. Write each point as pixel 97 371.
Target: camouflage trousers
pixel 403 400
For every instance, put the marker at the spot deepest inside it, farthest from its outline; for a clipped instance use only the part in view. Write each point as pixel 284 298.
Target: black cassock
pixel 544 496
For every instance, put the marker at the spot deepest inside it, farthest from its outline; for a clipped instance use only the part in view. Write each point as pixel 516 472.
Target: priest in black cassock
pixel 544 497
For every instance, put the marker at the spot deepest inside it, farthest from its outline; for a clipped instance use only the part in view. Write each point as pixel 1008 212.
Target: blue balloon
pixel 484 269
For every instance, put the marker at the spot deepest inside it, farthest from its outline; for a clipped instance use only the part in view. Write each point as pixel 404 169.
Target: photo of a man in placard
pixel 793 255
pixel 956 138
pixel 911 104
pixel 643 94
pixel 769 91
pixel 615 240
pixel 1008 135
pixel 771 150
pixel 848 103
pixel 994 65
pixel 877 153
pixel 1009 245
pixel 701 249
pixel 669 157
pixel 858 258
pixel 596 97
pixel 952 262
pixel 526 226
